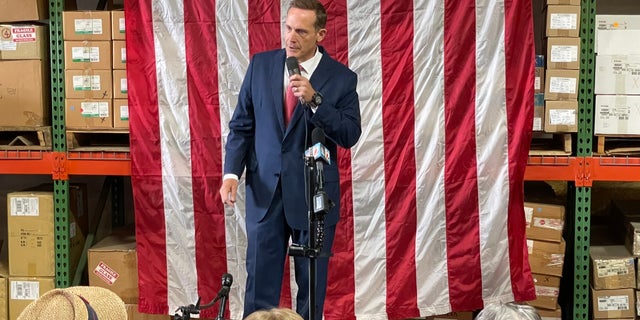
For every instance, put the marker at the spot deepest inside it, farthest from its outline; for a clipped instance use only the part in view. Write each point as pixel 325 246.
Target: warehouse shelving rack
pixel 580 170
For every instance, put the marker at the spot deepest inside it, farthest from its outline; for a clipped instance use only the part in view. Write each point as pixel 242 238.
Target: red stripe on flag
pixel 206 147
pixel 461 187
pixel 146 168
pixel 286 300
pixel 264 25
pixel 519 56
pixel 398 120
pixel 340 300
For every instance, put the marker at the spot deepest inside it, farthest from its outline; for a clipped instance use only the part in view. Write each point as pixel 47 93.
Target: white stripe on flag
pixel 492 153
pixel 173 105
pixel 431 250
pixel 368 162
pixel 233 60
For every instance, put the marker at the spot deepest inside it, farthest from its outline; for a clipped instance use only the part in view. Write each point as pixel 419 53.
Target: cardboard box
pixel 616 115
pixel 546 257
pixel 117 25
pixel 86 25
pixel 539 81
pixel 547 291
pixel 544 221
pixel 616 303
pixel 563 21
pixel 23 42
pixel 563 53
pixel 561 84
pixel 119 55
pixel 24 88
pixel 88 114
pixel 4 289
pixel 113 265
pixel 31 240
pixel 612 267
pixel 120 114
pixel 615 22
pixel 618 42
pixel 550 314
pixel 632 237
pixel 23 290
pixel 23 10
pixel 82 55
pixel 88 84
pixel 561 116
pixel 538 112
pixel 120 90
pixel 133 314
pixel 567 2
pixel 617 74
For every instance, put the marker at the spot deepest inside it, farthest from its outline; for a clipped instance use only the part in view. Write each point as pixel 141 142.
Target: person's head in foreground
pixel 274 314
pixel 508 311
pixel 76 303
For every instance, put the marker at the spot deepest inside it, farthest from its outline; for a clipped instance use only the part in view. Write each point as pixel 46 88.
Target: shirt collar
pixel 310 65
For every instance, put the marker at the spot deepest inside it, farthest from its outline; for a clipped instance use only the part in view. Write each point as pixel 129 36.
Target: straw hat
pixel 75 303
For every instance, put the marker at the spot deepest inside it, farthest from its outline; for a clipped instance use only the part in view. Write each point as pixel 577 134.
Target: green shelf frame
pixel 60 187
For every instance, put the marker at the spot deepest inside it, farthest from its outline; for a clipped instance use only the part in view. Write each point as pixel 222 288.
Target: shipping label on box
pixel 81 55
pixel 88 84
pixel 561 116
pixel 617 74
pixel 561 85
pixel 120 114
pixel 120 90
pixel 615 115
pixel 563 53
pixel 86 25
pixel 612 267
pixel 23 42
pixel 547 291
pixel 118 27
pixel 119 55
pixel 113 264
pixel 544 221
pixel 563 21
pixel 616 303
pixel 23 290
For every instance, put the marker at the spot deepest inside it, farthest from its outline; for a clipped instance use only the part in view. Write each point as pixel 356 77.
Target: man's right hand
pixel 228 191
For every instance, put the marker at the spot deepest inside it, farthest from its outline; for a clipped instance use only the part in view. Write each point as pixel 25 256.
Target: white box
pixel 617 115
pixel 616 22
pixel 617 74
pixel 611 42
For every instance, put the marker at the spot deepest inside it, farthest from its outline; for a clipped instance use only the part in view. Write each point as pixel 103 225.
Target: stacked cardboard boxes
pixel 563 64
pixel 24 75
pixel 95 70
pixel 545 223
pixel 613 282
pixel 617 77
pixel 30 224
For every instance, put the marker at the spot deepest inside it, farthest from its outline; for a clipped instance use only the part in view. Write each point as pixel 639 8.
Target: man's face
pixel 301 35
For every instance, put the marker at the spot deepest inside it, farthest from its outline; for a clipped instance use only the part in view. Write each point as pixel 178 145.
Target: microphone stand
pixel 223 303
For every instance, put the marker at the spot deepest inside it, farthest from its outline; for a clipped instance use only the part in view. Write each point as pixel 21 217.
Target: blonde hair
pixel 274 314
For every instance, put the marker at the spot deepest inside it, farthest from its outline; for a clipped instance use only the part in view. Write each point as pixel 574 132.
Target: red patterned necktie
pixel 290 102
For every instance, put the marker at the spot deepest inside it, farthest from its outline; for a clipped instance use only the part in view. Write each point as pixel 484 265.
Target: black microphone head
pixel 293 66
pixel 227 280
pixel 317 136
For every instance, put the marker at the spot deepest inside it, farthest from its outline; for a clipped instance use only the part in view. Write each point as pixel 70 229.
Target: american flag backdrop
pixel 432 195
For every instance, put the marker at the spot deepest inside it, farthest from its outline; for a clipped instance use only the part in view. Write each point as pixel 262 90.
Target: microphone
pixel 292 65
pixel 227 280
pixel 320 155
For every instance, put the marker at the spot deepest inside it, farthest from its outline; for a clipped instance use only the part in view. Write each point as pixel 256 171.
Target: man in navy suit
pixel 269 143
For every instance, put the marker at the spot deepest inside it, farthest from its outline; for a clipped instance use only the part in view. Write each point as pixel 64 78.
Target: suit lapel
pixel 277 87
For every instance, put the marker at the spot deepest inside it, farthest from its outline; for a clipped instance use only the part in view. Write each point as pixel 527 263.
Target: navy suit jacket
pixel 259 141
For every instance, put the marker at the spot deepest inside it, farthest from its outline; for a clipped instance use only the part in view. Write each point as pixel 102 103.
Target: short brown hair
pixel 316 6
pixel 274 314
